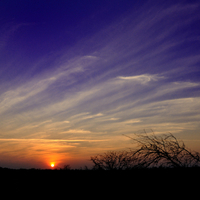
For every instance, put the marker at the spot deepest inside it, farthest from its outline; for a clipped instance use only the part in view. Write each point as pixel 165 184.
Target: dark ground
pixel 143 183
pixel 154 173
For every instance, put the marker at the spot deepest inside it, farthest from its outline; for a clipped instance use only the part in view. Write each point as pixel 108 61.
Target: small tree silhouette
pixel 66 167
pixel 153 151
pixel 163 151
pixel 113 160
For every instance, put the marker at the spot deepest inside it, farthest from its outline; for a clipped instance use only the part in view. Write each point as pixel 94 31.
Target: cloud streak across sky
pixel 137 71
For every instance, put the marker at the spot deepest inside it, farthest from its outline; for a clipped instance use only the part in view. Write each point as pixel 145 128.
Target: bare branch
pixel 154 151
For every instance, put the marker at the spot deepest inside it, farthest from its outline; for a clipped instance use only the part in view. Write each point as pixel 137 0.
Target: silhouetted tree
pixel 154 151
pixel 113 160
pixel 66 167
pixel 163 151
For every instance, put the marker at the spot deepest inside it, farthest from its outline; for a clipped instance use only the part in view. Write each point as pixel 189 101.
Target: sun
pixel 52 165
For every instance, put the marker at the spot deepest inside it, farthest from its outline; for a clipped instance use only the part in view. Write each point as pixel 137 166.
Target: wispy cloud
pixel 143 79
pixel 93 116
pixel 75 131
pixel 132 121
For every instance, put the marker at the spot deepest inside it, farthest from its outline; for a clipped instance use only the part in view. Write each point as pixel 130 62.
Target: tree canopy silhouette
pixel 164 151
pixel 154 151
pixel 113 160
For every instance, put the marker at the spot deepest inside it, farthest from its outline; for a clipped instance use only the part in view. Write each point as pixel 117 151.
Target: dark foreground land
pixel 175 174
pixel 143 182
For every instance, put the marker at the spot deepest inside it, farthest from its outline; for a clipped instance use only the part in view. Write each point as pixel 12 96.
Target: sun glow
pixel 52 165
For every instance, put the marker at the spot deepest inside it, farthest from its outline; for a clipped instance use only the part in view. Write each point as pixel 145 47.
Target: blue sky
pixel 76 75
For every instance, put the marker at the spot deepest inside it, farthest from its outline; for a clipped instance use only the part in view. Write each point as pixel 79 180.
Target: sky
pixel 77 75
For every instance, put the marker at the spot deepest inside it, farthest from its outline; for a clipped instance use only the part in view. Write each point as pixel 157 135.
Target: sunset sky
pixel 77 74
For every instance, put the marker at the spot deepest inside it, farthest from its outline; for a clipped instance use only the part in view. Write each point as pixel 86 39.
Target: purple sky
pixel 76 75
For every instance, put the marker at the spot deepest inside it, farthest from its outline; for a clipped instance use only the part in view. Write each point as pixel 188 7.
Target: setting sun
pixel 52 164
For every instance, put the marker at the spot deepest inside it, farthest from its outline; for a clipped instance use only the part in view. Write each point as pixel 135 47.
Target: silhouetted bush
pixel 164 151
pixel 66 167
pixel 113 160
pixel 154 151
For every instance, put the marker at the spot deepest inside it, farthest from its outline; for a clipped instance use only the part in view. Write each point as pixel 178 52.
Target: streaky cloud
pixel 143 78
